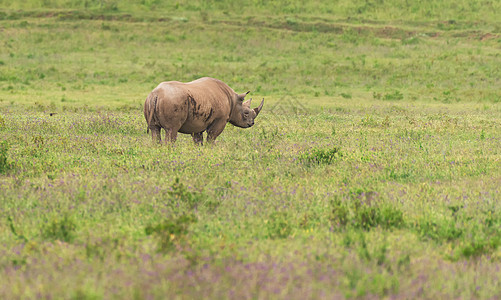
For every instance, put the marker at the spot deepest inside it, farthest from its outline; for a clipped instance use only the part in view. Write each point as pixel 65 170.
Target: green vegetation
pixel 373 170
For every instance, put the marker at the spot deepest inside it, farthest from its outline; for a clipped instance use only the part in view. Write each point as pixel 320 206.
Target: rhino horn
pixel 258 109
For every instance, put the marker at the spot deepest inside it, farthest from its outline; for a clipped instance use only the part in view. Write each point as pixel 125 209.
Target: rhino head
pixel 243 116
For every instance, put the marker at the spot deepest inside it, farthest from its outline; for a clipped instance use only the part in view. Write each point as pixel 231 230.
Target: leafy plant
pixel 396 95
pixel 340 213
pixel 320 156
pixel 369 120
pixel 479 245
pixel 62 229
pixel 171 232
pixel 14 231
pixel 4 149
pixel 391 217
pixel 181 194
pixel 365 215
pixel 439 228
pixel 279 225
pixel 346 95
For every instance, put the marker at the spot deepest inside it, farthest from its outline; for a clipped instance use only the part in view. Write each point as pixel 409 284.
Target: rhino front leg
pixel 198 138
pixel 215 130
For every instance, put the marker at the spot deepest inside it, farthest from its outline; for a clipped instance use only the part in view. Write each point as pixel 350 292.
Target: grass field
pixel 373 170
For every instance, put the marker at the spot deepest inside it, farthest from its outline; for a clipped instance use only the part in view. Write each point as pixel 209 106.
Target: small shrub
pixel 368 120
pixel 411 41
pixel 365 215
pixel 346 95
pixel 474 248
pixel 4 164
pixel 396 95
pixel 60 229
pixel 171 232
pixel 279 226
pixel 439 229
pixel 320 156
pixel 291 21
pixel 339 213
pixel 479 246
pixel 14 231
pixel 99 248
pixel 391 217
pixel 386 122
pixel 181 194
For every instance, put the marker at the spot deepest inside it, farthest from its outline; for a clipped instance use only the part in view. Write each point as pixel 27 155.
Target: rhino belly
pixel 199 118
pixel 193 126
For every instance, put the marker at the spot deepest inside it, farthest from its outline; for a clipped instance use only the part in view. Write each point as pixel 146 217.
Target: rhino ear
pixel 247 103
pixel 241 97
pixel 258 109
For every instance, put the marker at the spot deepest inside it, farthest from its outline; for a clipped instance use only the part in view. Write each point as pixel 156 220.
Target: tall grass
pixel 372 171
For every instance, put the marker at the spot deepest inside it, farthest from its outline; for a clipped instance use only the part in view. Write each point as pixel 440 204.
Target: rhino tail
pixel 152 108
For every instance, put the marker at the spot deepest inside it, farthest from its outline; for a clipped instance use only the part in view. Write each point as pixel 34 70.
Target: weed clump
pixel 364 215
pixel 396 95
pixel 439 229
pixel 60 229
pixel 181 194
pixel 320 156
pixel 4 164
pixel 171 232
pixel 479 246
pixel 340 213
pixel 279 226
pixel 470 239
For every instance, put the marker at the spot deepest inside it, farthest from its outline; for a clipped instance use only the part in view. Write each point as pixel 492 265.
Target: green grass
pixel 372 171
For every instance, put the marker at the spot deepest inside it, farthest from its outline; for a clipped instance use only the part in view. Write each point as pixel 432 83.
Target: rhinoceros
pixel 205 104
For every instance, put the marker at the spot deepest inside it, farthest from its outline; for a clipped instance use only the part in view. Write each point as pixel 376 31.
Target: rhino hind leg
pixel 155 133
pixel 198 138
pixel 170 135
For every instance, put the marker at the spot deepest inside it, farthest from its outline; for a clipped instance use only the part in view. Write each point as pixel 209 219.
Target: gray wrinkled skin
pixel 205 104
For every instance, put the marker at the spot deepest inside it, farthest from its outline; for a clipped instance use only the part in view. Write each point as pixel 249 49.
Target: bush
pixel 439 229
pixel 60 229
pixel 479 246
pixel 320 156
pixel 279 226
pixel 391 217
pixel 4 164
pixel 396 95
pixel 364 215
pixel 171 232
pixel 339 213
pixel 181 194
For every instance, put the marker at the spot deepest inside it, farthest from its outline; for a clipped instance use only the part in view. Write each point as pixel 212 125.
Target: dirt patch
pixel 488 36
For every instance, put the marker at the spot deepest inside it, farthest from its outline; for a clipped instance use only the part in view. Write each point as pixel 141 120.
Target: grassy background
pixel 372 171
